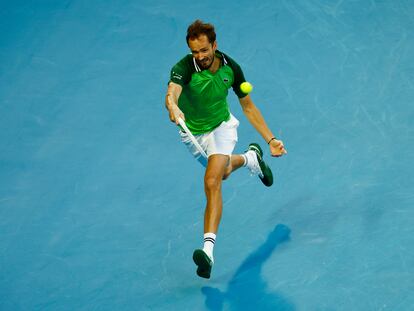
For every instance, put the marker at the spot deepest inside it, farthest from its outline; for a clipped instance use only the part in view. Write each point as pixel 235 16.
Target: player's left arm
pixel 256 119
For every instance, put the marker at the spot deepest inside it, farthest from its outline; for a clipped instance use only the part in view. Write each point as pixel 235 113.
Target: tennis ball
pixel 246 87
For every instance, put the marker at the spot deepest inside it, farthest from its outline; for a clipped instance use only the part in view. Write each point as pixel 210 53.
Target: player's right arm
pixel 171 102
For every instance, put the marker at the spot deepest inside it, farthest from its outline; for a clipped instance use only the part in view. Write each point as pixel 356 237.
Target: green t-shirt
pixel 204 96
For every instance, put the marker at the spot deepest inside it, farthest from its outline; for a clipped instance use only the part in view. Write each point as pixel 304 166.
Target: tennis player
pixel 197 93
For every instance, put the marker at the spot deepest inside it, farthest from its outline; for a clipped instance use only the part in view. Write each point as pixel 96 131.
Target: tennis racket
pixel 192 138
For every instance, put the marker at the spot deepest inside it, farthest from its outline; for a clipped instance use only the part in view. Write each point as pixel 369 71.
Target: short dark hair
pixel 198 28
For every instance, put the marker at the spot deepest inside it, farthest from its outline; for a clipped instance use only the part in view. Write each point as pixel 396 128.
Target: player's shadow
pixel 247 290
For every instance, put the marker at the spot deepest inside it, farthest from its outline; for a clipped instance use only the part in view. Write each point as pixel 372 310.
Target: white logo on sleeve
pixel 177 76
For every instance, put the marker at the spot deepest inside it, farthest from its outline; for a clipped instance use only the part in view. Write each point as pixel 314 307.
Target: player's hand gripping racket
pixel 192 138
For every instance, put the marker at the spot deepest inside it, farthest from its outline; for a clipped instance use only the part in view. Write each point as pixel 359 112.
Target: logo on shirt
pixel 176 76
pixel 226 80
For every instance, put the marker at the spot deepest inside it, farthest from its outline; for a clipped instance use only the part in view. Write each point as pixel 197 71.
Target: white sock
pixel 245 159
pixel 209 240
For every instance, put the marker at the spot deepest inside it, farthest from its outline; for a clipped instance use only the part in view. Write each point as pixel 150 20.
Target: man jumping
pixel 197 93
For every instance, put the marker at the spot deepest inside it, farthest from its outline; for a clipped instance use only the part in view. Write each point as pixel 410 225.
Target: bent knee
pixel 212 183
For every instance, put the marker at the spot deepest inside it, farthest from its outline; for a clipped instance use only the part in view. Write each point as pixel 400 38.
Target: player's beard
pixel 206 62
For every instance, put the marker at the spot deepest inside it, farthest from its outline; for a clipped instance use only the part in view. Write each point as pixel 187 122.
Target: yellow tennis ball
pixel 246 87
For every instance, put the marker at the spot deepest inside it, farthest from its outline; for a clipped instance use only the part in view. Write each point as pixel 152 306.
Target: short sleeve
pixel 238 77
pixel 181 72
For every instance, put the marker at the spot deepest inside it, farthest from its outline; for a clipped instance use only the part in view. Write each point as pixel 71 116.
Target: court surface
pixel 101 206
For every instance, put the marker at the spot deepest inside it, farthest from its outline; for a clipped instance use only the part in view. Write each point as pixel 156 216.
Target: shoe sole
pixel 203 262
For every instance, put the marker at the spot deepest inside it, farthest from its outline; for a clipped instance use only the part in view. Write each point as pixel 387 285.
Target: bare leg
pixel 236 161
pixel 216 167
pixel 213 178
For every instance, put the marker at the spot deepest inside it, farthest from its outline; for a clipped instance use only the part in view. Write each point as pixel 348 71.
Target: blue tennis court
pixel 101 205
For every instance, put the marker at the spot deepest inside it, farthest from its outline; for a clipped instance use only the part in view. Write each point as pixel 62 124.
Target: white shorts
pixel 221 140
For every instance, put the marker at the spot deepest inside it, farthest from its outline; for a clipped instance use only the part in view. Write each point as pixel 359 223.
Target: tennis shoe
pixel 257 166
pixel 204 263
